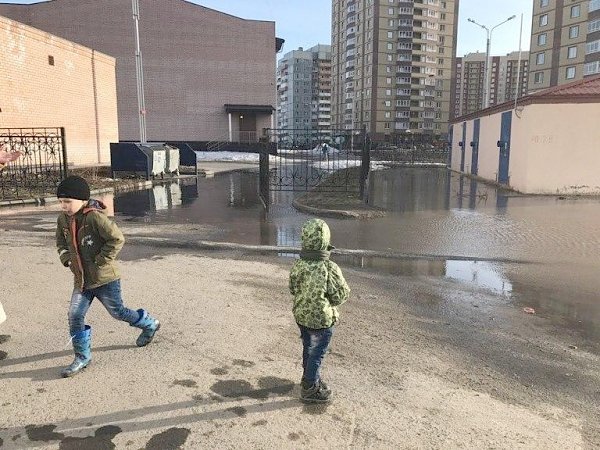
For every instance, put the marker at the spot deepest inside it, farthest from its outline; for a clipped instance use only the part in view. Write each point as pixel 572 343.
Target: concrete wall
pixel 554 148
pixel 489 134
pixel 468 148
pixel 562 148
pixel 456 138
pixel 78 92
pixel 196 60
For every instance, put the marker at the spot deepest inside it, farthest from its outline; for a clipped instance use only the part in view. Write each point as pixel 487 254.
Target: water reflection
pixel 140 203
pixel 431 211
pixel 426 189
pixel 477 273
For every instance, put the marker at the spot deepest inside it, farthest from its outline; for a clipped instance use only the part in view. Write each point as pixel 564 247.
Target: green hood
pixel 316 237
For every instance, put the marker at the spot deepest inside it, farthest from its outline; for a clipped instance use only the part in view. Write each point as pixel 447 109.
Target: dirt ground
pixel 416 362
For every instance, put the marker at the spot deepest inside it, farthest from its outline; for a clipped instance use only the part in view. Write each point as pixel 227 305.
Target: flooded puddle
pixel 430 211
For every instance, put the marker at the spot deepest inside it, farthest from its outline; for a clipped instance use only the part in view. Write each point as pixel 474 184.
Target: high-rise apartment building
pixel 508 80
pixel 565 42
pixel 304 89
pixel 392 66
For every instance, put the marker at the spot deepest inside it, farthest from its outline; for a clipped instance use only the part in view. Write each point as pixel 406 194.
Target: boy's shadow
pixel 47 373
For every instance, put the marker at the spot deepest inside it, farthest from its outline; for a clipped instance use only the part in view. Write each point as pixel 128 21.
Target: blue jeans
pixel 315 344
pixel 109 295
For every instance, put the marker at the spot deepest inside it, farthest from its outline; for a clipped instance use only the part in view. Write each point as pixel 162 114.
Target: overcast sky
pixel 304 23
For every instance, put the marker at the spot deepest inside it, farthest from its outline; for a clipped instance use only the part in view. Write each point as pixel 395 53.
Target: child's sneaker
pixel 317 393
pixel 321 382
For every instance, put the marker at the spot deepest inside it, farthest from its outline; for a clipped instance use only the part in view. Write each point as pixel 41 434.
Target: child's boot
pixel 83 356
pixel 149 326
pixel 315 393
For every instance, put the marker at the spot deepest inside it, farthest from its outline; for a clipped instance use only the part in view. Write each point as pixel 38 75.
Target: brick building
pixel 208 75
pixel 46 81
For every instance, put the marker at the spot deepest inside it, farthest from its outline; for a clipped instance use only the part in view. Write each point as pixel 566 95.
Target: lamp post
pixel 135 6
pixel 489 31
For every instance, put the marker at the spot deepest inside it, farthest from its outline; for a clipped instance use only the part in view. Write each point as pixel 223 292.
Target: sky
pixel 305 23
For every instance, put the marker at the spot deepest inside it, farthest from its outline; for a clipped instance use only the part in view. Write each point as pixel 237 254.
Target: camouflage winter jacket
pixel 88 243
pixel 317 283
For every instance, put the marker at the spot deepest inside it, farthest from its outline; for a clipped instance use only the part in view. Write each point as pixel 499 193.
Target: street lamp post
pixel 489 31
pixel 139 71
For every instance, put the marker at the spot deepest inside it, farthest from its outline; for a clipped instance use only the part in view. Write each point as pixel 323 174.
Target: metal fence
pixel 42 165
pixel 312 159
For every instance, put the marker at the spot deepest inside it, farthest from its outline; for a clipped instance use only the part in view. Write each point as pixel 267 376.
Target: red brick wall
pixel 78 92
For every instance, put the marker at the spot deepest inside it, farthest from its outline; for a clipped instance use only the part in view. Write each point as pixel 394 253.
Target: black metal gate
pixel 303 160
pixel 42 165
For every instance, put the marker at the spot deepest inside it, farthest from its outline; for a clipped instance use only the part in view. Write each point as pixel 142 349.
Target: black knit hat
pixel 73 187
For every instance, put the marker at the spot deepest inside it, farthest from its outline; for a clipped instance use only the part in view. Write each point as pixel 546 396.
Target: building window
pixel 543 20
pixel 575 11
pixel 591 68
pixel 594 26
pixel 543 3
pixel 572 52
pixel 592 47
pixel 540 58
pixel 542 39
pixel 391 11
pixel 570 72
pixel 390 34
pixel 51 60
pixel 594 5
pixel 574 32
pixel 538 77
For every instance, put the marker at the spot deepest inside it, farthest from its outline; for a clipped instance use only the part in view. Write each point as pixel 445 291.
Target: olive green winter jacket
pixel 317 283
pixel 88 243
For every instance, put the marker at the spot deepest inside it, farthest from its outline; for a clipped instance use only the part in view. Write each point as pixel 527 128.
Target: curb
pixel 213 245
pixel 338 214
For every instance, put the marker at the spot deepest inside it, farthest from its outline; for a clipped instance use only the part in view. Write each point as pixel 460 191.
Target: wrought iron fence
pixel 417 155
pixel 313 159
pixel 412 149
pixel 41 166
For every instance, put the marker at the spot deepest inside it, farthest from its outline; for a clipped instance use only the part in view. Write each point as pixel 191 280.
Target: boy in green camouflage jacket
pixel 88 243
pixel 318 287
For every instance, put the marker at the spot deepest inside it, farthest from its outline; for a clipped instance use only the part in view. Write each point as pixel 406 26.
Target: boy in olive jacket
pixel 318 287
pixel 88 243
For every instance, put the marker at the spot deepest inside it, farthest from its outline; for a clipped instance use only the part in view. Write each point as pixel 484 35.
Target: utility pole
pixel 135 5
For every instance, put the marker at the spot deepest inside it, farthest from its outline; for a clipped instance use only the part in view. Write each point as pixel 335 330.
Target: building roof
pixel 589 86
pixel 582 91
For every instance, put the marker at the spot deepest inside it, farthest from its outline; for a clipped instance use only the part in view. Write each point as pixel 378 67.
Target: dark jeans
pixel 315 344
pixel 109 295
